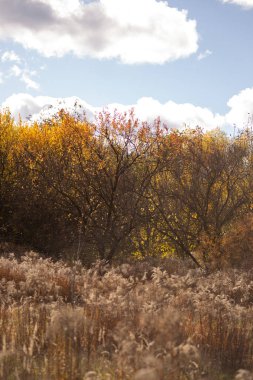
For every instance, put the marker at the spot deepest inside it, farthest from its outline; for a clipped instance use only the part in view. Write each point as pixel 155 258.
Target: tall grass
pixel 146 320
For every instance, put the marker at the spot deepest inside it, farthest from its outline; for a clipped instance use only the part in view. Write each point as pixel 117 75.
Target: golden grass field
pixel 148 320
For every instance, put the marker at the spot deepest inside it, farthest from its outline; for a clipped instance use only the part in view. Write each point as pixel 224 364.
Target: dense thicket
pixel 120 187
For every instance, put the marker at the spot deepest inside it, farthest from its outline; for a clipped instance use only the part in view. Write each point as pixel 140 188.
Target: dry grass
pixel 133 321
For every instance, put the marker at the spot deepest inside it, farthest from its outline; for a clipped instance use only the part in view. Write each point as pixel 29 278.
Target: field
pixel 152 319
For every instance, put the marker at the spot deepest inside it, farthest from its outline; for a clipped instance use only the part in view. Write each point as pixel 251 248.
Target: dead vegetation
pixel 144 320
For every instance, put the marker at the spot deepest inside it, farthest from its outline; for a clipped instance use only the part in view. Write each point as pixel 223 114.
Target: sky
pixel 188 62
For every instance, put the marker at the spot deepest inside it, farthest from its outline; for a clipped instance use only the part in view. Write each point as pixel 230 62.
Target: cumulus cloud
pixel 178 115
pixel 241 108
pixel 247 4
pixel 44 107
pixel 173 114
pixel 25 105
pixel 133 31
pixel 147 109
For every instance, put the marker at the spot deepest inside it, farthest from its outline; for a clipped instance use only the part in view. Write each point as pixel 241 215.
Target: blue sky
pixel 193 67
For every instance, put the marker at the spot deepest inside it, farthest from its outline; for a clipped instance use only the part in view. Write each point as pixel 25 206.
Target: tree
pixel 202 188
pixel 7 138
pixel 96 174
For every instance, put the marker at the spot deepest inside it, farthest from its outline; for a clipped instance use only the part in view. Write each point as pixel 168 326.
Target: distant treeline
pixel 120 187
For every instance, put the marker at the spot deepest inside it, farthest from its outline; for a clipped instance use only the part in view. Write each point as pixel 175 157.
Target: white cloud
pixel 64 8
pixel 204 54
pixel 24 76
pixel 133 31
pixel 247 4
pixel 15 71
pixel 1 78
pixel 44 107
pixel 173 114
pixel 10 56
pixel 29 82
pixel 25 104
pixel 241 108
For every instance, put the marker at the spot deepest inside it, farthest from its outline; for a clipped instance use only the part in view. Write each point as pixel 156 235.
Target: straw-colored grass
pixel 132 321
